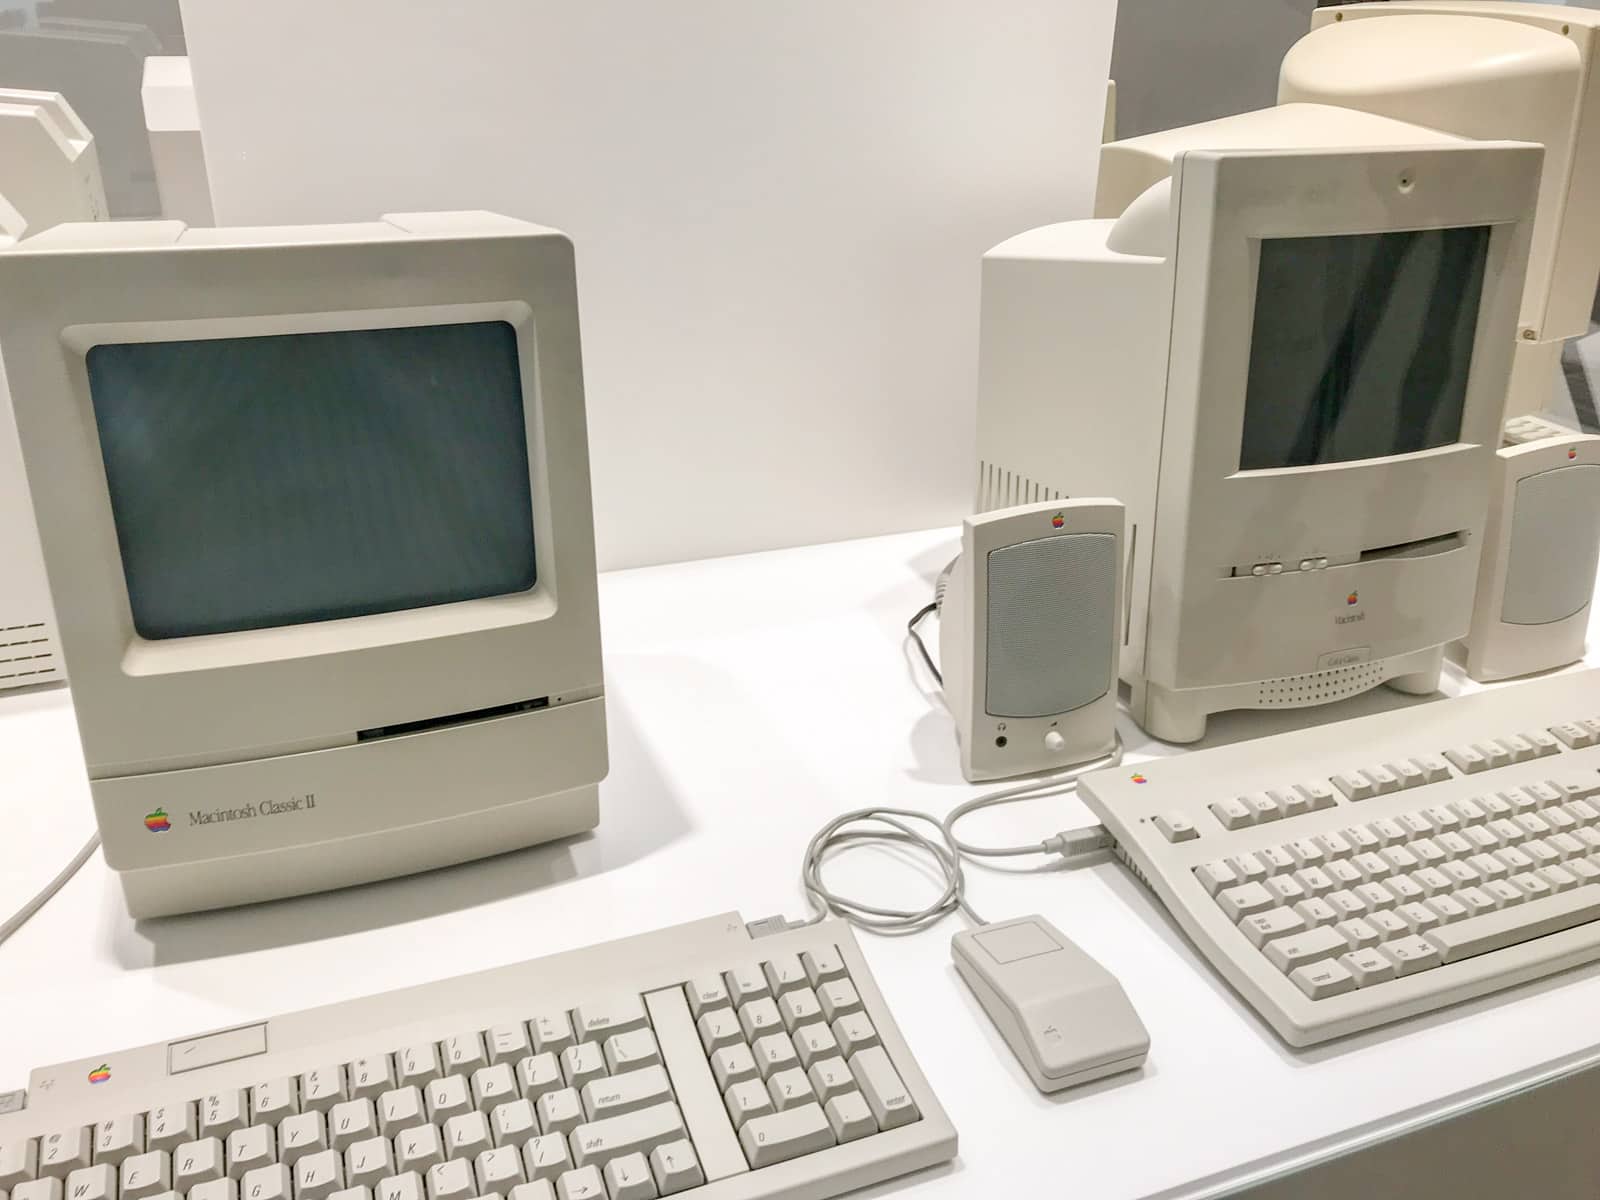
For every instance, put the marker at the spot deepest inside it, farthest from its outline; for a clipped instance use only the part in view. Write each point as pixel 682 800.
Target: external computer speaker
pixel 1029 632
pixel 1541 544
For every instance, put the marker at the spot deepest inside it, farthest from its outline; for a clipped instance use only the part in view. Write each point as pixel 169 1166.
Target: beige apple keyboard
pixel 696 1060
pixel 1352 874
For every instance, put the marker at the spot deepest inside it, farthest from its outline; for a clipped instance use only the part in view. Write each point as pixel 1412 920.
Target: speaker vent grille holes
pixel 1319 687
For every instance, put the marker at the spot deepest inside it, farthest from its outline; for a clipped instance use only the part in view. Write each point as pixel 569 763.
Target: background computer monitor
pixel 314 504
pixel 1290 365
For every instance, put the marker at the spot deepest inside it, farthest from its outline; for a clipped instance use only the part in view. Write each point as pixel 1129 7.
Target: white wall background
pixel 779 208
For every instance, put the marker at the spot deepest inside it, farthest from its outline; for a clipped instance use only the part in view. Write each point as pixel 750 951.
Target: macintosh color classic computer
pixel 1290 365
pixel 314 506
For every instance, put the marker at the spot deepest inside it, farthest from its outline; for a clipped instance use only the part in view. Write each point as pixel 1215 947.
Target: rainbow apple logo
pixel 157 821
pixel 1353 598
pixel 1138 778
pixel 1572 452
pixel 1058 520
pixel 100 1074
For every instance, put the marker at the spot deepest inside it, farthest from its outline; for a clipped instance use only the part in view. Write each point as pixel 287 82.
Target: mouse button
pixel 1011 943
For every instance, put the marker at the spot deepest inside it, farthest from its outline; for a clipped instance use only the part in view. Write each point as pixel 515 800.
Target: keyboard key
pixel 1416 825
pixel 494 1085
pixel 675 1167
pixel 581 1183
pixel 117 1139
pixel 1347 904
pixel 467 1135
pixel 265 1183
pixel 197 1162
pixel 552 1032
pixel 1233 814
pixel 1358 934
pixel 1215 876
pixel 559 1112
pixel 631 1133
pixel 1374 895
pixel 1409 774
pixel 498 1170
pixel 407 1186
pixel 1494 754
pixel 322 1088
pixel 822 965
pixel 19 1162
pixel 1355 786
pixel 1343 872
pixel 1390 832
pixel 625 1093
pixel 447 1181
pixel 508 1043
pixel 1383 779
pixel 746 982
pixel 146 1175
pixel 1418 917
pixel 1276 859
pixel 1469 810
pixel 746 1101
pixel 853 1033
pixel 775 1052
pixel 319 1175
pixel 581 1063
pixel 1433 881
pixel 351 1122
pixel 707 992
pixel 1507 927
pixel 628 1178
pixel 418 1149
pixel 1261 804
pixel 1388 924
pixel 546 1157
pixel 1404 889
pixel 1286 890
pixel 65 1151
pixel 785 1135
pixel 1433 768
pixel 1519 747
pixel 170 1125
pixel 1411 954
pixel 98 1182
pixel 370 1077
pixel 719 1028
pixel 785 974
pixel 1447 907
pixel 1467 759
pixel 400 1109
pixel 303 1133
pixel 790 1088
pixel 1301 948
pixel 1461 874
pixel 1315 880
pixel 416 1065
pixel 368 1161
pixel 447 1097
pixel 1263 927
pixel 1559 879
pixel 759 1017
pixel 801 1007
pixel 1531 885
pixel 1504 893
pixel 1368 967
pixel 1291 802
pixel 463 1053
pixel 1323 979
pixel 513 1123
pixel 1316 912
pixel 46 1188
pixel 829 1078
pixel 1240 902
pixel 813 1042
pixel 1573 735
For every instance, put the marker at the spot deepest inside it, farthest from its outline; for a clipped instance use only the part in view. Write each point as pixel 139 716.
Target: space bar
pixel 1509 926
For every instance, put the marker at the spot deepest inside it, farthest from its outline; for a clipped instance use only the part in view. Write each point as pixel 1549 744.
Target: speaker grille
pixel 1051 624
pixel 1555 539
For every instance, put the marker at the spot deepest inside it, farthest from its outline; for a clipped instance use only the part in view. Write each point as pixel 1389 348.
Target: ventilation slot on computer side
pixel 463 718
pixel 1002 488
pixel 1319 687
pixel 27 655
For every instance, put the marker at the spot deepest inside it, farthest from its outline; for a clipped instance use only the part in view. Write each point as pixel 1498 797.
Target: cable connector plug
pixel 1075 844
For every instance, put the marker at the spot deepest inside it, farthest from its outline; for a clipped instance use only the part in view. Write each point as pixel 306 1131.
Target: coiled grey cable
pixel 946 852
pixel 20 917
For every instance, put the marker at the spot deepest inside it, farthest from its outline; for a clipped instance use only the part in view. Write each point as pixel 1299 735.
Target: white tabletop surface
pixel 750 699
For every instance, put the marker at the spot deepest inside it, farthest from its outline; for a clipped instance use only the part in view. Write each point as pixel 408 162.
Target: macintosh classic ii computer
pixel 314 505
pixel 1290 365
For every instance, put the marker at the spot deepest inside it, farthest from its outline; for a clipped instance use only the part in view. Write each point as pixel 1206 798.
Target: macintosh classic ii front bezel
pixel 257 762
